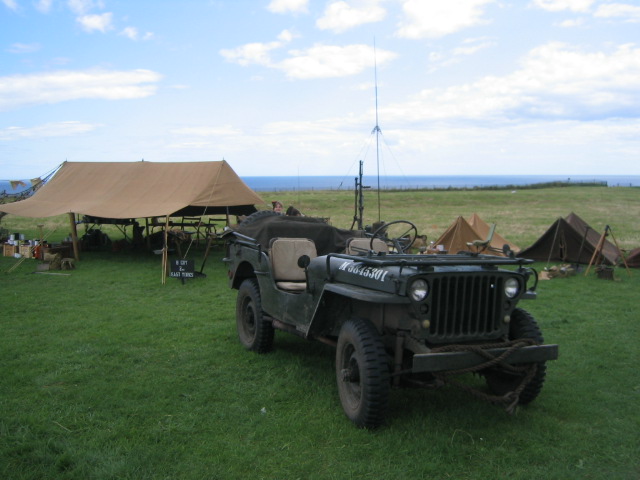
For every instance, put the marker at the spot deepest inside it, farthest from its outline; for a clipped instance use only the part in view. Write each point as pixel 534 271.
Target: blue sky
pixel 286 87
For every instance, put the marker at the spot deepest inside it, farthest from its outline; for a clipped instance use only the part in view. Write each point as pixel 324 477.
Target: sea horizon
pixel 393 182
pixel 328 182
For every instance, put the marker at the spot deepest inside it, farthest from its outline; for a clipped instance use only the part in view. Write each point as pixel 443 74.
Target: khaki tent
pixel 139 190
pixel 571 240
pixel 460 232
pixel 117 190
pixel 482 228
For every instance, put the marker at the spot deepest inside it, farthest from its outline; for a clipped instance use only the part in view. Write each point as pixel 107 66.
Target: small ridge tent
pixel 459 233
pixel 483 227
pixel 633 259
pixel 571 240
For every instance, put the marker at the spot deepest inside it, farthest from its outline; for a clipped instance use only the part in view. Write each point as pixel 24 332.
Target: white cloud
pixel 554 81
pixel 285 6
pixel 56 129
pixel 221 131
pixel 574 22
pixel 251 53
pixel 132 33
pixel 561 5
pixel 100 22
pixel 81 7
pixel 10 4
pixel 339 16
pixel 54 87
pixel 24 48
pixel 319 61
pixel 472 45
pixel 326 61
pixel 256 53
pixel 43 6
pixel 439 18
pixel 613 10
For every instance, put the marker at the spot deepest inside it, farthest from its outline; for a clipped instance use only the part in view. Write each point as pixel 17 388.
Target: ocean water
pixel 284 183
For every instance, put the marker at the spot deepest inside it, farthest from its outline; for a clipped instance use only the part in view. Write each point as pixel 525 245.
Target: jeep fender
pixel 364 294
pixel 334 293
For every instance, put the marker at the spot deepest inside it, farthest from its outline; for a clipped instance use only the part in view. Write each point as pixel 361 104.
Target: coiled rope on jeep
pixel 510 399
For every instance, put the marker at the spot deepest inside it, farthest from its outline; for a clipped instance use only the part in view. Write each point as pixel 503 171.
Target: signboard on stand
pixel 182 269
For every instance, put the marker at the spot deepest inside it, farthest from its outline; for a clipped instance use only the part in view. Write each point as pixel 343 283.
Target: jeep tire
pixel 362 373
pixel 254 332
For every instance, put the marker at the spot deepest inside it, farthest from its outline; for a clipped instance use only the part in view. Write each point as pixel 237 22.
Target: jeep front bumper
pixel 447 361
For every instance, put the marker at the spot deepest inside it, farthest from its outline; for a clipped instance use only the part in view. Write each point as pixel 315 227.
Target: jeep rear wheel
pixel 254 332
pixel 500 382
pixel 362 373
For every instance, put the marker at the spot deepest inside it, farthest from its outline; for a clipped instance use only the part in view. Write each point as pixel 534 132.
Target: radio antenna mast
pixel 376 129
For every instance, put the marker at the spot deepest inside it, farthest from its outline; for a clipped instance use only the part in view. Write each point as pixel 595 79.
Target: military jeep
pixel 395 318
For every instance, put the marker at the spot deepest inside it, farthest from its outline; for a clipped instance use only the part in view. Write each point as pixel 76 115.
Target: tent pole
pixel 146 226
pixel 553 244
pixel 41 242
pixel 74 236
pixel 165 251
pixel 624 260
pixel 597 250
pixel 584 239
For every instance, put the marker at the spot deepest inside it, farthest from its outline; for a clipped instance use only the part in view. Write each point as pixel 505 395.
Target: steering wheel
pixel 400 238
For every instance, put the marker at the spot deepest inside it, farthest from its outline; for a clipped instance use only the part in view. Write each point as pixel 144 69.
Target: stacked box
pixel 9 250
pixel 26 251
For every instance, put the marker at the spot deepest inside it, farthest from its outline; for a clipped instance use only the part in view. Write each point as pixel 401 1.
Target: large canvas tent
pixel 120 190
pixel 111 191
pixel 571 240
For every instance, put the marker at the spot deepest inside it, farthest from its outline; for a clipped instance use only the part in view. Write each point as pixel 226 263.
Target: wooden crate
pixel 26 251
pixel 9 250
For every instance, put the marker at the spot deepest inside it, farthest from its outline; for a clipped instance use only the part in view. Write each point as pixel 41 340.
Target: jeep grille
pixel 466 307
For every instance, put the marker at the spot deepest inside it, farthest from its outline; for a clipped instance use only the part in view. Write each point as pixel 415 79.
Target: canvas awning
pixel 139 190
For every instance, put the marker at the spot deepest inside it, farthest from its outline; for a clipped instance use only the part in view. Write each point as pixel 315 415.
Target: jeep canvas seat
pixel 360 246
pixel 284 253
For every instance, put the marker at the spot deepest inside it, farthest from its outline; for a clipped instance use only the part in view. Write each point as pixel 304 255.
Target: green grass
pixel 108 374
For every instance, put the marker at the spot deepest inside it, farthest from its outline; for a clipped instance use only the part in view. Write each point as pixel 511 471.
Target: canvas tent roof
pixel 482 228
pixel 138 190
pixel 570 240
pixel 460 232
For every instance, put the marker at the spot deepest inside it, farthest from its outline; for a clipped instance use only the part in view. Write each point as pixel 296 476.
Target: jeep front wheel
pixel 254 332
pixel 501 382
pixel 362 373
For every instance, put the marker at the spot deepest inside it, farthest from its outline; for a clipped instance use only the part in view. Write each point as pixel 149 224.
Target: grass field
pixel 108 374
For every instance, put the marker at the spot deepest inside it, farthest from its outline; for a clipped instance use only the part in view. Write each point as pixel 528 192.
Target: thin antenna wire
pixel 377 127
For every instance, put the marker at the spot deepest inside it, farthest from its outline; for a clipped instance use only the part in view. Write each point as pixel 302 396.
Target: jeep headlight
pixel 419 290
pixel 511 287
